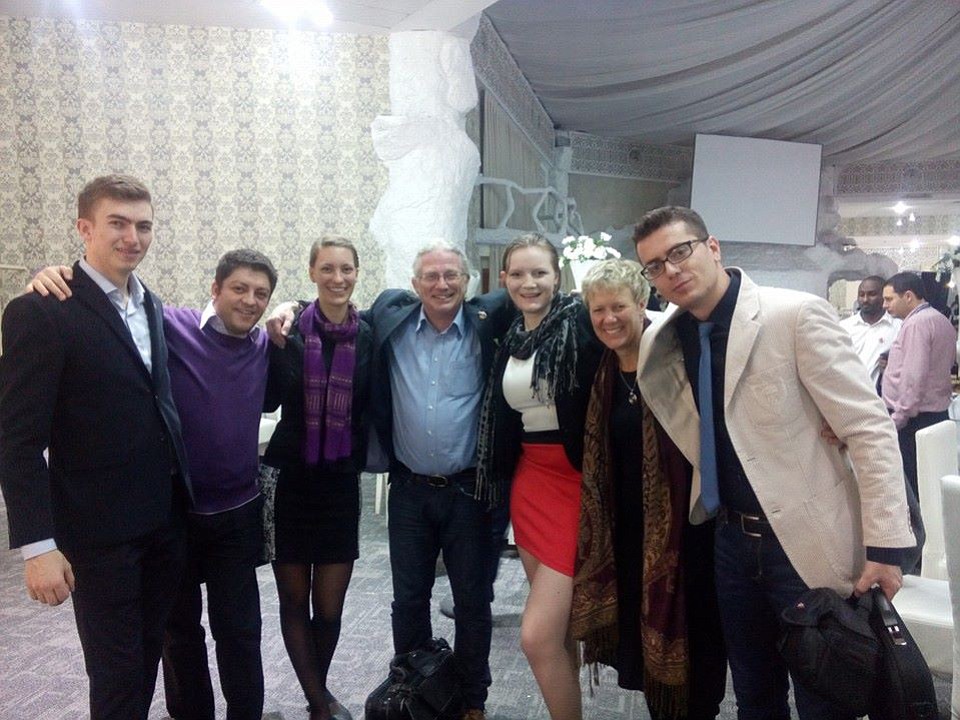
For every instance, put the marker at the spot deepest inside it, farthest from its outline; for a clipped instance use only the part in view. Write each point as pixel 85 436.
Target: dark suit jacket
pixel 489 314
pixel 72 378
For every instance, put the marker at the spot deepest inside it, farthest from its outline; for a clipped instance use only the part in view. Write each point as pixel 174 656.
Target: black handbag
pixel 829 646
pixel 425 684
pixel 857 654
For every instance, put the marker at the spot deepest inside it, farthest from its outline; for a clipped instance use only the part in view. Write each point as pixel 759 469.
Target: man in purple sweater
pixel 218 362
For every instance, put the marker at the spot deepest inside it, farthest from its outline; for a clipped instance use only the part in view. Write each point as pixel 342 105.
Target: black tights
pixel 310 642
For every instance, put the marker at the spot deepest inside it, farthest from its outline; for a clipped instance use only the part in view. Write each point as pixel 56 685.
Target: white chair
pixel 924 600
pixel 268 423
pixel 951 519
pixel 936 457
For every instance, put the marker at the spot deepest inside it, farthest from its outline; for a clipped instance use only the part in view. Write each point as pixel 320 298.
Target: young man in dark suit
pixel 103 520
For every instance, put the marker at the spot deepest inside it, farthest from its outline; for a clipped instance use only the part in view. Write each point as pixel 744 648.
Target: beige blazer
pixel 789 366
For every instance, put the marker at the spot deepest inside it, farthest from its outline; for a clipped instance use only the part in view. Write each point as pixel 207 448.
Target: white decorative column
pixel 432 163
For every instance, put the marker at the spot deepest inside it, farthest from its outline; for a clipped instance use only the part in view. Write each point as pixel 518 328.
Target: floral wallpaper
pixel 245 137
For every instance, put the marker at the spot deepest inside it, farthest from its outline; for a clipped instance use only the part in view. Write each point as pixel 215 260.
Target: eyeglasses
pixel 451 277
pixel 677 254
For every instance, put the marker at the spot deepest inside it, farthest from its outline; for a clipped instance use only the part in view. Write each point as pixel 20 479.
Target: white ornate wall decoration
pixel 891 178
pixel 500 75
pixel 431 161
pixel 617 157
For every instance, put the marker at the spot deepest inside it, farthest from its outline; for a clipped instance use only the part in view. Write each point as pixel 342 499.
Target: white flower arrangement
pixel 584 247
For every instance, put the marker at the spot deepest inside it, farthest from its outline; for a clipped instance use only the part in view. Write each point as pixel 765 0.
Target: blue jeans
pixel 424 521
pixel 755 582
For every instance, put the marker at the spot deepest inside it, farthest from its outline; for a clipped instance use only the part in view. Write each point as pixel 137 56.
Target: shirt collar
pixel 457 321
pixel 723 313
pixel 885 319
pixel 209 315
pixel 134 286
pixel 918 308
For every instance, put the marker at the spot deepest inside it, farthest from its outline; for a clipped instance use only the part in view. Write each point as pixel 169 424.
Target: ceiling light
pixel 899 222
pixel 900 208
pixel 292 11
pixel 912 218
pixel 954 240
pixel 915 245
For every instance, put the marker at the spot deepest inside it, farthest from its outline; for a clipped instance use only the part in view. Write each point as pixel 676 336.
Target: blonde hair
pixel 615 275
pixel 333 241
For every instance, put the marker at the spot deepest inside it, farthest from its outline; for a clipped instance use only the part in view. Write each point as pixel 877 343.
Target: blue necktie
pixel 709 487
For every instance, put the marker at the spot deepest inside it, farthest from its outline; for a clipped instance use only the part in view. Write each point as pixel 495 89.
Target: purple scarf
pixel 327 397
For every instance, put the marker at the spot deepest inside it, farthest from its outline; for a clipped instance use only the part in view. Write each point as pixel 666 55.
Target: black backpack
pixel 422 685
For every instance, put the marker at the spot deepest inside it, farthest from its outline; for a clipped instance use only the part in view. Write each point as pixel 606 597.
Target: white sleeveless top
pixel 537 416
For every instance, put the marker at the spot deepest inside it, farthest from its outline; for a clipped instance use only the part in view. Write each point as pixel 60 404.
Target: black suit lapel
pixel 86 291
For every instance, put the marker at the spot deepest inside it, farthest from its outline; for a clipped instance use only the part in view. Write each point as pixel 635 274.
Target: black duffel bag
pixel 831 649
pixel 857 654
pixel 425 684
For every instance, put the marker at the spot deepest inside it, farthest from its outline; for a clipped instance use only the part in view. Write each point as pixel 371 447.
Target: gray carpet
pixel 41 665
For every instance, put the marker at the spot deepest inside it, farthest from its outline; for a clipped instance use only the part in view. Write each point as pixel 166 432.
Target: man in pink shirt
pixel 916 384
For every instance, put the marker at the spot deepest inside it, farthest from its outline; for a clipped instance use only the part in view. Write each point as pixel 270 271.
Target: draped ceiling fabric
pixel 869 80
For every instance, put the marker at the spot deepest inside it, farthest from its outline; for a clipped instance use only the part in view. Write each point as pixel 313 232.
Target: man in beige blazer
pixel 794 512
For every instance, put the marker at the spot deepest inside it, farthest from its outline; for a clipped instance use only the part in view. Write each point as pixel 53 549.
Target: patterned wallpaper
pixel 245 137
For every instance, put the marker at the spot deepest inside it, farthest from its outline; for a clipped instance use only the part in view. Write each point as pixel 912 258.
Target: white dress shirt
pixel 871 341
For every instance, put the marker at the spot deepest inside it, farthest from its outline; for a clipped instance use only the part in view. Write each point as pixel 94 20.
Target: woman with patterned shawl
pixel 643 599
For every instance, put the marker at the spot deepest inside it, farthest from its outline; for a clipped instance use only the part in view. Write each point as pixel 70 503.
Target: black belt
pixel 439 481
pixel 752 524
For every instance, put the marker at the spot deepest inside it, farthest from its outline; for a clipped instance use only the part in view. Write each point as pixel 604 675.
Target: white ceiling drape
pixel 868 79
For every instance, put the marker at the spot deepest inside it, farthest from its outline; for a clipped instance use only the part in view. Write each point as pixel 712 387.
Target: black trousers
pixel 223 552
pixel 121 601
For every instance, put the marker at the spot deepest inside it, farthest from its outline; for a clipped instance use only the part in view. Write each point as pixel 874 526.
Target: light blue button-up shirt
pixel 437 384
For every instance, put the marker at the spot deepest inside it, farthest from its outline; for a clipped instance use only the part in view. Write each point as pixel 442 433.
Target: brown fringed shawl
pixel 593 618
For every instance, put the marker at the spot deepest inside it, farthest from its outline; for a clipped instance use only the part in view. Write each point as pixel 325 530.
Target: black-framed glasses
pixel 678 253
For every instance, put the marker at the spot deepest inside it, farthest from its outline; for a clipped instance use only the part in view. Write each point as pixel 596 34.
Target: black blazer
pixel 72 378
pixel 490 314
pixel 571 405
pixel 285 387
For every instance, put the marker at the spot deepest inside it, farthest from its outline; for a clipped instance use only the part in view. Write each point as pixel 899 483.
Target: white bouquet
pixel 583 247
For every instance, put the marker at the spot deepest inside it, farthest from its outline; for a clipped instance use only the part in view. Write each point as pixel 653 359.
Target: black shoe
pixel 337 710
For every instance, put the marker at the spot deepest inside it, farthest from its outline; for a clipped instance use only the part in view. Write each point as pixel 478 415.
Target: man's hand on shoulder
pixel 888 577
pixel 52 280
pixel 49 577
pixel 280 322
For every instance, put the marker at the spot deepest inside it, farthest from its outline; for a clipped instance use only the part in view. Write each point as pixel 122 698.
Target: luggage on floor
pixel 422 685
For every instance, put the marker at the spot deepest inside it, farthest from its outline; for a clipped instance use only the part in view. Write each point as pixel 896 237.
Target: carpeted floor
pixel 41 665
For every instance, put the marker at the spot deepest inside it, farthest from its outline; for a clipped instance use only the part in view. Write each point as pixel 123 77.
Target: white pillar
pixel 432 163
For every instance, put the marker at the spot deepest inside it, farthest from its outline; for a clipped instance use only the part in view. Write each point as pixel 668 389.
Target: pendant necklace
pixel 632 397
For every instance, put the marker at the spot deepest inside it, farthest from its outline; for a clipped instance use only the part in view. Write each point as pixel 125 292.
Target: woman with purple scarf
pixel 322 379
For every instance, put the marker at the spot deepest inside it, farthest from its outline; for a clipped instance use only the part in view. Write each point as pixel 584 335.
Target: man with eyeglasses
pixel 432 355
pixel 742 378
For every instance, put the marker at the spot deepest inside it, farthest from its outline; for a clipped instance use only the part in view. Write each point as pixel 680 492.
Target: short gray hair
pixel 615 275
pixel 441 246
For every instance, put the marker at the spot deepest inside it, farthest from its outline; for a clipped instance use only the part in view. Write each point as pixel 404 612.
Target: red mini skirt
pixel 545 505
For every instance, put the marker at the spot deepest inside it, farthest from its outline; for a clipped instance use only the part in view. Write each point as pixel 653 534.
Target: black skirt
pixel 317 516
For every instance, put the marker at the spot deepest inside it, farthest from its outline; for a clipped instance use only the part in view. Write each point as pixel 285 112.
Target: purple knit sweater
pixel 218 383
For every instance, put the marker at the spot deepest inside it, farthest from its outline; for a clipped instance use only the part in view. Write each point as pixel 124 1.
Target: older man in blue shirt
pixel 432 353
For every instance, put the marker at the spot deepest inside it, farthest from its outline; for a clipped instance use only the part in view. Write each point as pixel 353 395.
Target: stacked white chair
pixel 951 519
pixel 924 601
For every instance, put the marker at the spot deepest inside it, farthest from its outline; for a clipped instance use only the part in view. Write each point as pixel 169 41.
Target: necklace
pixel 632 397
